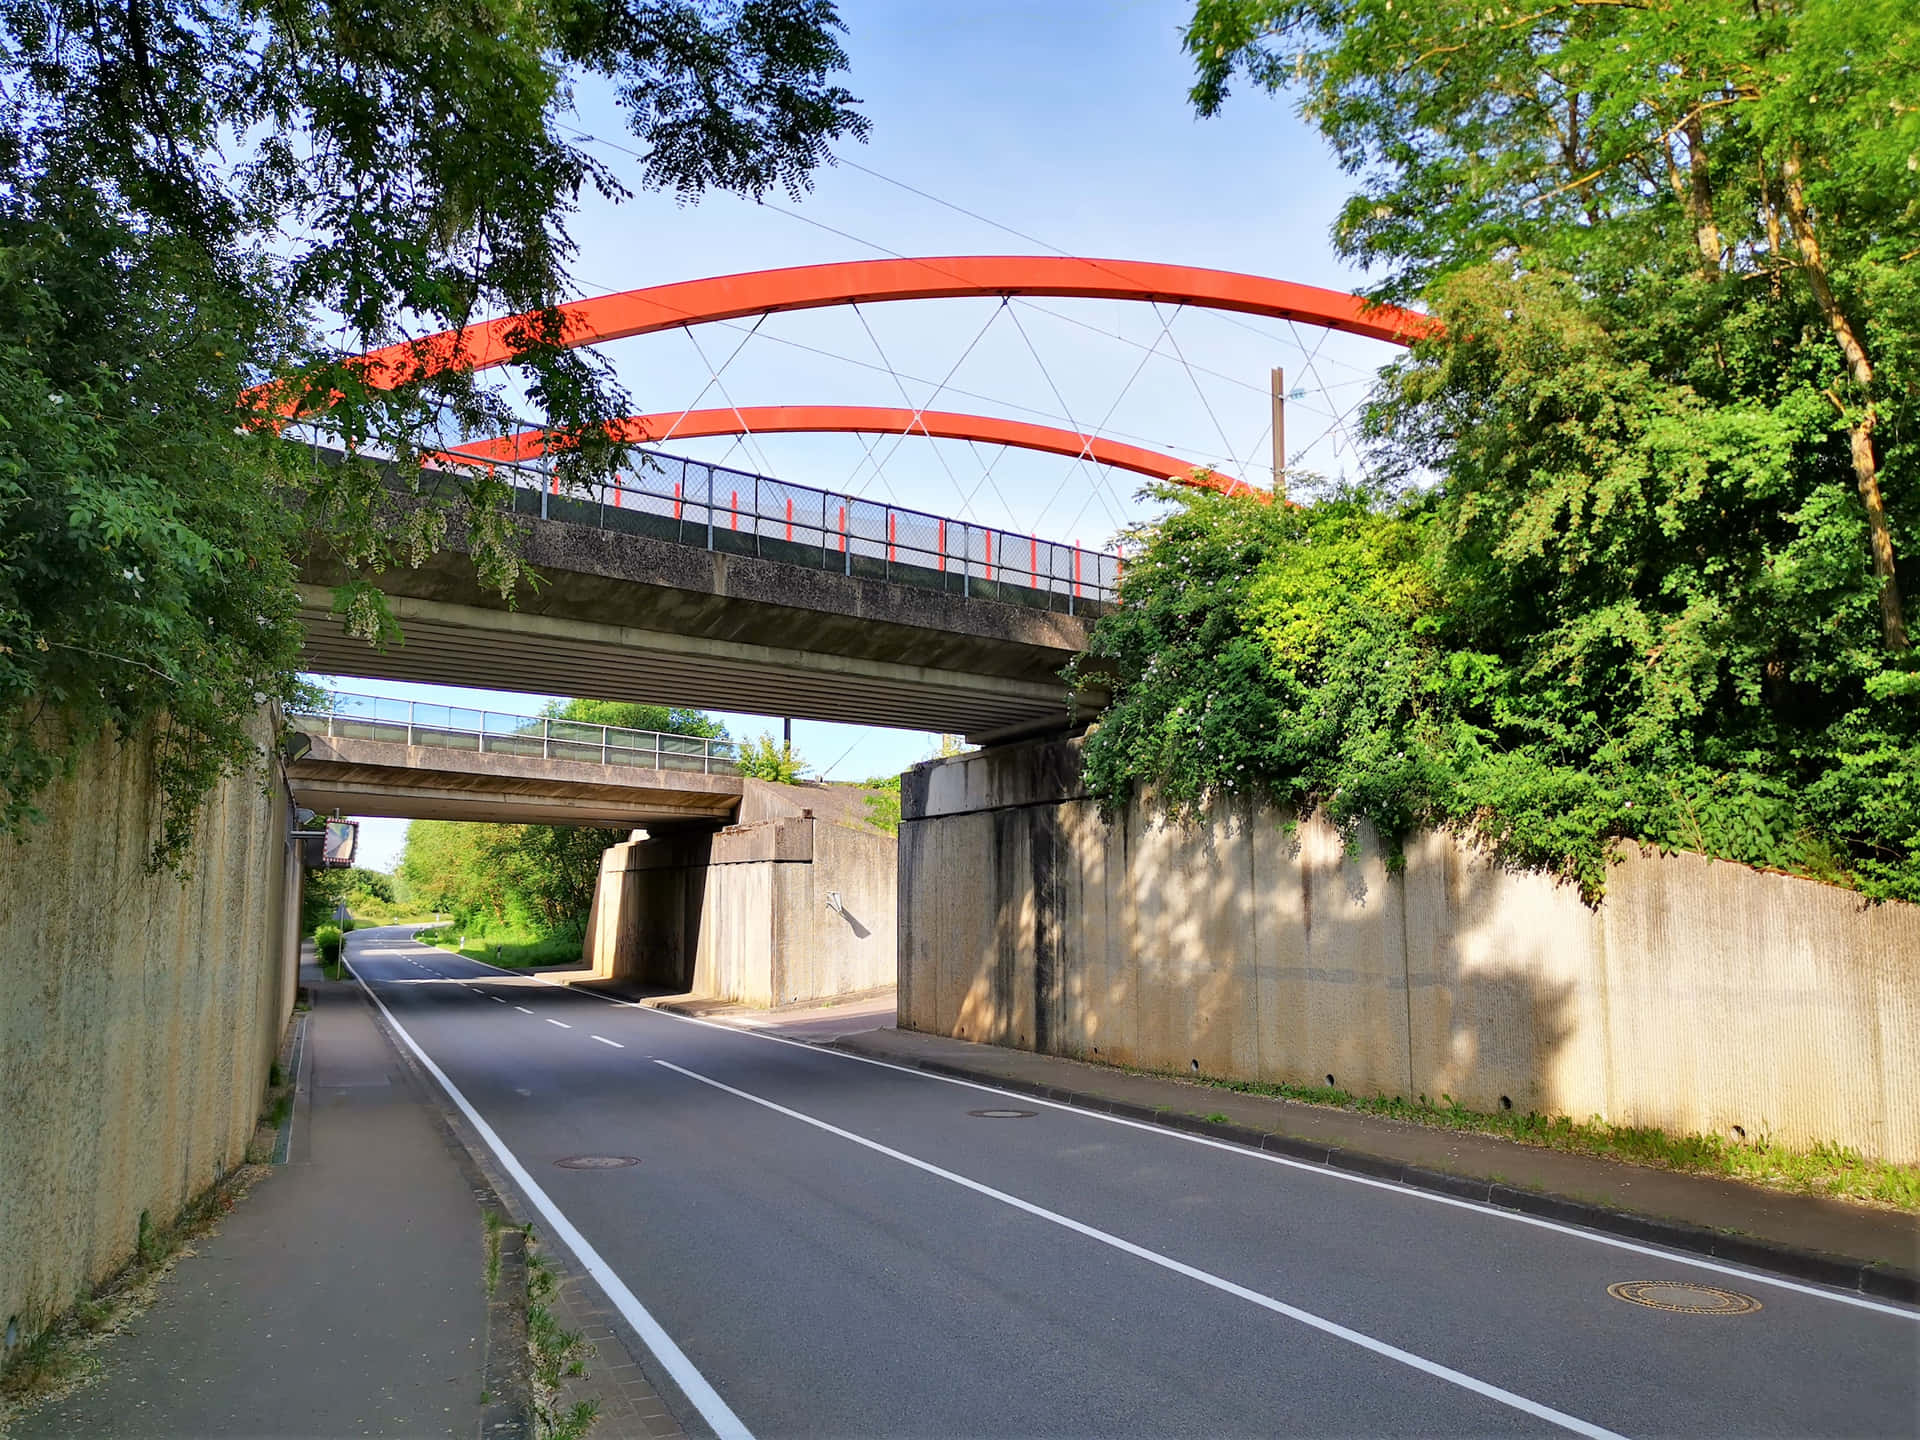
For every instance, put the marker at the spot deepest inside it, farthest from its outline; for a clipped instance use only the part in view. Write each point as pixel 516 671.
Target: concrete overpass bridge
pixel 408 760
pixel 693 584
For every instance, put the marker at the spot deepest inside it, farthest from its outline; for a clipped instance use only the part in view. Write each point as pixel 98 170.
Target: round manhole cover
pixel 1682 1298
pixel 1004 1114
pixel 597 1162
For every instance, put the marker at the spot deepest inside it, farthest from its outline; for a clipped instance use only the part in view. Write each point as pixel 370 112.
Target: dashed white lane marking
pixel 561 1023
pixel 496 999
pixel 523 1010
pixel 1471 1383
pixel 604 1041
pixel 700 1394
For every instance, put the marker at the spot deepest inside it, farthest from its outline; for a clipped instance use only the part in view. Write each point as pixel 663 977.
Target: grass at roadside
pixel 1821 1170
pixel 509 949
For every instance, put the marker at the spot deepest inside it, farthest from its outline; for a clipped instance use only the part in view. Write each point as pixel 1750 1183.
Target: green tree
pixel 196 198
pixel 1727 186
pixel 1662 454
pixel 635 715
pixel 542 876
pixel 769 759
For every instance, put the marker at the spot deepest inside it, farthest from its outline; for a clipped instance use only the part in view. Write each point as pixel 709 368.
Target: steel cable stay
pixel 1120 397
pixel 901 387
pixel 1086 438
pixel 920 410
pixel 766 467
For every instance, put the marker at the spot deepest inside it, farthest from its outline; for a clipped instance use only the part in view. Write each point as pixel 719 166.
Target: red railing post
pixel 1033 559
pixel 1076 568
pixel 989 543
pixel 891 519
pixel 676 499
pixel 618 490
pixel 789 519
pixel 843 529
pixel 733 507
pixel 943 547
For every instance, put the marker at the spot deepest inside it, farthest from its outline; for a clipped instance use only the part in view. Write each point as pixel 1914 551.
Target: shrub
pixel 326 940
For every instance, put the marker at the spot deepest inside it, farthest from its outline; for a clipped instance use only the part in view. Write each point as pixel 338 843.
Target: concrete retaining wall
pixel 1700 996
pixel 743 914
pixel 138 1018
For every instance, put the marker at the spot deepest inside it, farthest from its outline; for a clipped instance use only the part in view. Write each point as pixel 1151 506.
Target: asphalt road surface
pixel 812 1244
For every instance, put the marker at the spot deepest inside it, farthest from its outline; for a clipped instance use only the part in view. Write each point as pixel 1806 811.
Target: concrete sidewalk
pixel 344 1296
pixel 1831 1241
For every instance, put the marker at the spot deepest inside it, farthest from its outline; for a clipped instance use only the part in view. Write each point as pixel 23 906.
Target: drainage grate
pixel 597 1162
pixel 1682 1298
pixel 1004 1114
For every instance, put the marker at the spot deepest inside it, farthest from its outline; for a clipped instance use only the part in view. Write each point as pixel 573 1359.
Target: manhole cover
pixel 597 1162
pixel 1004 1114
pixel 1682 1298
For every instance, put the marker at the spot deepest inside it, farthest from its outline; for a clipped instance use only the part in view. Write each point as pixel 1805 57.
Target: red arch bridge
pixel 681 581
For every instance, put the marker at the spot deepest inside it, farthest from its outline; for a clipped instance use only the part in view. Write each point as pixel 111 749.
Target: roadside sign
pixel 342 835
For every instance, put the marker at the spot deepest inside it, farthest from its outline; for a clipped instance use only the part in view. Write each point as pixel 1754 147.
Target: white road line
pixel 496 1000
pixel 561 1023
pixel 604 1041
pixel 702 1396
pixel 523 1010
pixel 1325 1172
pixel 1166 1262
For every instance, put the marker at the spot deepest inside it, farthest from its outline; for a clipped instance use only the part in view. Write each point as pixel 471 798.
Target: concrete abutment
pixel 139 1015
pixel 1699 996
pixel 793 904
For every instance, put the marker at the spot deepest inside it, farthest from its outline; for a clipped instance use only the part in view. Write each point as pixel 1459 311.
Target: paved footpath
pixel 344 1296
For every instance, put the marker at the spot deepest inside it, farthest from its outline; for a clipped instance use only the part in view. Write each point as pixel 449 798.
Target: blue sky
pixel 1067 122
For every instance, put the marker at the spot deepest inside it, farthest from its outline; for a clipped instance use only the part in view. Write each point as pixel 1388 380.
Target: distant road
pixel 819 1245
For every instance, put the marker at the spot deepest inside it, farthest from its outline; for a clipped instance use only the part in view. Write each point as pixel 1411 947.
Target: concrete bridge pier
pixel 796 903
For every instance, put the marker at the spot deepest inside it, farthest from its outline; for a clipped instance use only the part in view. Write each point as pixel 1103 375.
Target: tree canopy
pixel 1626 566
pixel 200 196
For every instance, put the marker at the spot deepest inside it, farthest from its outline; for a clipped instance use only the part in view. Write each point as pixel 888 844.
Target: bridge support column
pixel 782 910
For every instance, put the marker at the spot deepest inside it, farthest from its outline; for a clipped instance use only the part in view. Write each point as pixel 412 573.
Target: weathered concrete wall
pixel 138 1018
pixel 743 914
pixel 1700 996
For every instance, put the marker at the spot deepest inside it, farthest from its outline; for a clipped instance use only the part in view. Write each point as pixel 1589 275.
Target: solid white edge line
pixel 1597 1237
pixel 701 1395
pixel 1166 1262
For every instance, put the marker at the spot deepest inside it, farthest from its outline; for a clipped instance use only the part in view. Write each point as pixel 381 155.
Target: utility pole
pixel 1279 433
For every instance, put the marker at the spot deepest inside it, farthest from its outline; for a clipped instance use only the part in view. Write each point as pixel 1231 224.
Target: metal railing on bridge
pixel 453 727
pixel 737 512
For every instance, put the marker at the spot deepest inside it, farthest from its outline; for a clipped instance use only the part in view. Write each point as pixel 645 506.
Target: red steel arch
pixel 872 420
pixel 806 287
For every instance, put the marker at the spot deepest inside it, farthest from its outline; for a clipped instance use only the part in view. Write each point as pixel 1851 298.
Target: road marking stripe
pixel 561 1023
pixel 702 1396
pixel 1167 1262
pixel 1325 1172
pixel 523 1010
pixel 604 1041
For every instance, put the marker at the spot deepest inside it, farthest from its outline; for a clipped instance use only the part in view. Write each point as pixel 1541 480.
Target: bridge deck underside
pixel 413 782
pixel 626 617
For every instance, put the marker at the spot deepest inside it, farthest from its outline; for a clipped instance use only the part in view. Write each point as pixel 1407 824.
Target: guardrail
pixel 453 727
pixel 737 512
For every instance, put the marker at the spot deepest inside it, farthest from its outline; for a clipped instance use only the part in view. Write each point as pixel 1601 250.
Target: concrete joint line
pixel 1571 1423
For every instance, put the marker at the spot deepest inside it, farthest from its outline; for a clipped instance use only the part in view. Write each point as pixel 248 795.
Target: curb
pixel 1882 1282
